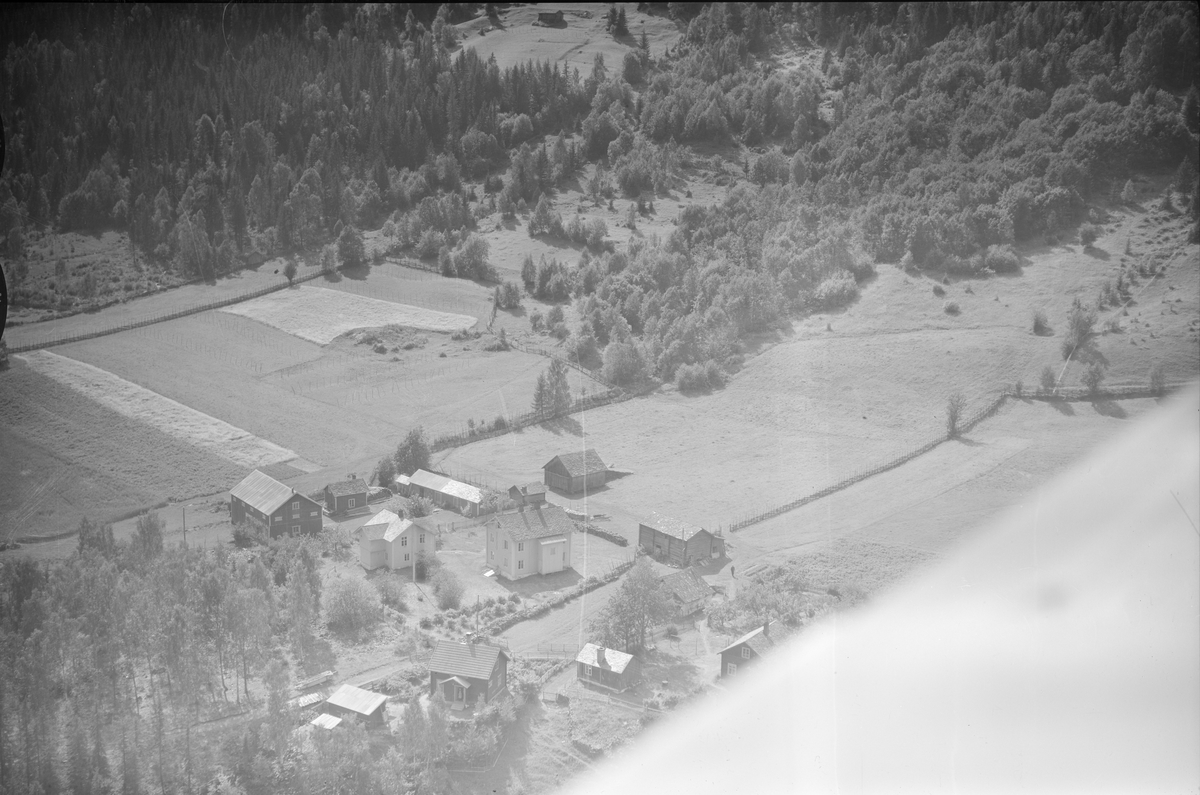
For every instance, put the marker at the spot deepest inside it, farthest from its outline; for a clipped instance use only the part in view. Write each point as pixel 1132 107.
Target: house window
pixel 730 668
pixel 296 505
pixel 520 546
pixel 295 528
pixel 506 544
pixel 520 564
pixel 312 513
pixel 406 557
pixel 351 502
pixel 278 518
pixel 421 540
pixel 404 541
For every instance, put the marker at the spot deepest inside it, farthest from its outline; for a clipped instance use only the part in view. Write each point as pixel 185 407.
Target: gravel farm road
pixel 566 625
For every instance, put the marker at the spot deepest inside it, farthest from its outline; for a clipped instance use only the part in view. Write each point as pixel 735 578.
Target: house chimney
pixel 767 628
pixel 600 661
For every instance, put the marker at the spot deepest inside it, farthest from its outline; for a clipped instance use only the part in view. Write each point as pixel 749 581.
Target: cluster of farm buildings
pixel 532 538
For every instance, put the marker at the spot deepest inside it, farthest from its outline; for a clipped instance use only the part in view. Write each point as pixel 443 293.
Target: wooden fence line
pixel 1059 393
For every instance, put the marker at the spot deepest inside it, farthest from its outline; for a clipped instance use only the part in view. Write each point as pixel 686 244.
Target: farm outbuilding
pixel 388 540
pixel 468 673
pixel 445 492
pixel 346 497
pixel 354 703
pixel 608 668
pixel 745 649
pixel 689 592
pixel 678 542
pixel 529 541
pixel 551 17
pixel 573 472
pixel 278 509
pixel 532 494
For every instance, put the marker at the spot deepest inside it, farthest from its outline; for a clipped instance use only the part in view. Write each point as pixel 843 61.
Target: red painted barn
pixel 678 542
pixel 468 673
pixel 746 649
pixel 573 472
pixel 278 509
pixel 346 497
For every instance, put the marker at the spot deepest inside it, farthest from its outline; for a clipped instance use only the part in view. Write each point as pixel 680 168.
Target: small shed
pixel 446 492
pixel 532 494
pixel 346 497
pixel 326 721
pixel 678 542
pixel 688 591
pixel 353 702
pixel 747 648
pixel 551 18
pixel 403 484
pixel 607 668
pixel 573 472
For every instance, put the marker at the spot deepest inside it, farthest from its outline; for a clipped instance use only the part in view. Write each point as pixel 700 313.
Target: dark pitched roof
pixel 472 660
pixel 672 527
pixel 578 464
pixel 755 639
pixel 534 522
pixel 348 488
pixel 687 585
pixel 260 490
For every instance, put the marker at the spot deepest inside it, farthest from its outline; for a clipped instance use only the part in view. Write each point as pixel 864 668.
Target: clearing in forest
pixel 161 413
pixel 321 315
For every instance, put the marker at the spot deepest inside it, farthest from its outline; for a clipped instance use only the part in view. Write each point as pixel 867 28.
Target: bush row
pixel 558 600
pixel 617 539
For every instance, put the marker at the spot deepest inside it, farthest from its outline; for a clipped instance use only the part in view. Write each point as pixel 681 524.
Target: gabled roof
pixel 355 699
pixel 348 488
pixel 529 489
pixel 672 527
pixel 384 525
pixel 755 639
pixel 534 522
pixel 687 586
pixel 578 464
pixel 263 492
pixel 325 721
pixel 472 660
pixel 615 661
pixel 445 485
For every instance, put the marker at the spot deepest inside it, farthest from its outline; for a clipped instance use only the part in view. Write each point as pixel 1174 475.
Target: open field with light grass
pixel 67 456
pixel 321 315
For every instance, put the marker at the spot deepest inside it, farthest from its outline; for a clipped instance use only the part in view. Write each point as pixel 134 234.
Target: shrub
pixel 939 291
pixel 244 535
pixel 420 506
pixel 1040 326
pixel 837 290
pixel 950 308
pixel 426 623
pixel 426 564
pixel 352 606
pixel 954 410
pixel 1129 193
pixel 1001 259
pixel 448 589
pixel 391 592
pixel 1080 324
pixel 1092 378
pixel 1088 233
pixel 1158 381
pixel 1019 388
pixel 508 295
pixel 430 243
pixel 1048 380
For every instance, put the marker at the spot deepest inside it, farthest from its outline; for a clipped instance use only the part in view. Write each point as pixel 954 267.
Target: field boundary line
pixel 1058 394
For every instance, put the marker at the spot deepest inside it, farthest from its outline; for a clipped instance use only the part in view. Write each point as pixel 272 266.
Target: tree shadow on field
pixel 1109 408
pixel 968 441
pixel 541 583
pixel 562 425
pixel 1096 253
pixel 358 273
pixel 1063 407
pixel 333 276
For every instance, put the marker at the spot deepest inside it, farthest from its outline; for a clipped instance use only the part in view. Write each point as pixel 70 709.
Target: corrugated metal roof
pixel 348 488
pixel 671 526
pixel 326 721
pixel 403 480
pixel 355 699
pixel 615 661
pixel 445 485
pixel 755 639
pixel 534 522
pixel 472 660
pixel 687 585
pixel 263 492
pixel 584 462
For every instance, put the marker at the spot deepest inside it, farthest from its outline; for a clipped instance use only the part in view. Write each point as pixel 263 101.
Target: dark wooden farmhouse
pixel 346 497
pixel 551 17
pixel 689 592
pixel 262 500
pixel 678 542
pixel 353 703
pixel 607 668
pixel 574 472
pixel 747 648
pixel 468 673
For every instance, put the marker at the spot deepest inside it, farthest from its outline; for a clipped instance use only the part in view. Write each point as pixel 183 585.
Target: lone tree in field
pixel 413 453
pixel 640 605
pixel 1158 381
pixel 1049 380
pixel 1093 377
pixel 289 271
pixel 1080 329
pixel 954 410
pixel 350 247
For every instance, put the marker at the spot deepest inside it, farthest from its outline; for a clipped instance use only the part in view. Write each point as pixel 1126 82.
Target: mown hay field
pixel 66 456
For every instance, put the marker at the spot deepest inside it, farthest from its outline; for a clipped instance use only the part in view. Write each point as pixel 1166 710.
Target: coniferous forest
pixel 936 135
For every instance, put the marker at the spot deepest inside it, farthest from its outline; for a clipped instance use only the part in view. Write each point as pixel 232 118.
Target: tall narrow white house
pixel 533 540
pixel 388 540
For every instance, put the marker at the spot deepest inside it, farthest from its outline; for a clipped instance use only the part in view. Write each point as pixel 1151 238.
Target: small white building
pixel 388 540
